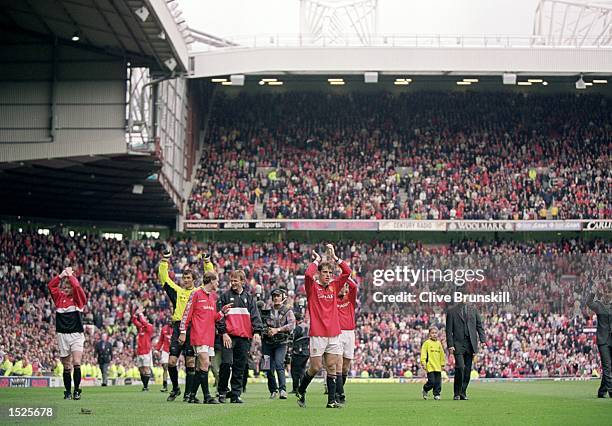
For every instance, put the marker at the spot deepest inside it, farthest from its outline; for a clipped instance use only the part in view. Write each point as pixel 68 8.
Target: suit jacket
pixel 456 325
pixel 604 320
pixel 104 352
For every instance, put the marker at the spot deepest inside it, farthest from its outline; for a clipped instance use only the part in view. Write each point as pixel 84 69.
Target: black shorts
pixel 175 347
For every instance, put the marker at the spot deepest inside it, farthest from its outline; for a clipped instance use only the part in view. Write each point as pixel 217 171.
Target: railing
pixel 403 40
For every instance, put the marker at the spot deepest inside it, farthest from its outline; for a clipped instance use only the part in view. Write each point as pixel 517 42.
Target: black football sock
pixel 344 376
pixel 195 384
pixel 305 382
pixel 331 388
pixel 189 380
pixel 339 385
pixel 204 383
pixel 173 373
pixel 67 381
pixel 76 375
pixel 145 380
pixel 165 384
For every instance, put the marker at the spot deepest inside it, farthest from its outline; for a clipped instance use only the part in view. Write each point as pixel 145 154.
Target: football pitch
pixel 533 403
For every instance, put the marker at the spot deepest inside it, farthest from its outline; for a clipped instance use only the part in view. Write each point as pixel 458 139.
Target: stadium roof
pixel 114 27
pixel 92 188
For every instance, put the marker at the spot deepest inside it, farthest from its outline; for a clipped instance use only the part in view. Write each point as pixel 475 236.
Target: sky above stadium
pixel 250 17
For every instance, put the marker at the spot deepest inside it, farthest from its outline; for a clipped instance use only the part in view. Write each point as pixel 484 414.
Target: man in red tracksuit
pixel 237 329
pixel 163 346
pixel 201 315
pixel 144 359
pixel 322 296
pixel 347 300
pixel 69 300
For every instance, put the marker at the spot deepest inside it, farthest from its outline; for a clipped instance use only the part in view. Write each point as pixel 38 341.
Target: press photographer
pixel 279 322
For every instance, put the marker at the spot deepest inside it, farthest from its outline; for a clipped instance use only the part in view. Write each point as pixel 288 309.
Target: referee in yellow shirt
pixel 433 361
pixel 179 296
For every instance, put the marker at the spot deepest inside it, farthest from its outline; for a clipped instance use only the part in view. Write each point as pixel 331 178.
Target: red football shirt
pixel 163 343
pixel 145 334
pixel 201 313
pixel 346 307
pixel 322 301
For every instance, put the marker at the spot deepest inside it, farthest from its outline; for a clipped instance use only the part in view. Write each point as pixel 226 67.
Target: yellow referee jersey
pixel 182 294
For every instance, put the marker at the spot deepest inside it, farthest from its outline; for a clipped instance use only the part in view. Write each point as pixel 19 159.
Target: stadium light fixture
pixel 237 79
pixel 370 77
pixel 588 84
pixel 170 63
pixel 600 81
pixel 463 83
pixel 268 80
pixel 471 80
pixel 508 78
pixel 261 82
pixel 227 83
pixel 401 83
pixel 545 83
pixel 524 83
pixel 218 80
pixel 580 84
pixel 142 13
pixel 535 80
pixel 275 83
pixel 76 36
pixel 331 80
pixel 337 83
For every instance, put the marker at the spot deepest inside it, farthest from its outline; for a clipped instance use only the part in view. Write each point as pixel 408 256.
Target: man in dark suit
pixel 463 332
pixel 603 309
pixel 104 352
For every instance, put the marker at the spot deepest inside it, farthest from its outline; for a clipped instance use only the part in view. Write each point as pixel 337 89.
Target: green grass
pixel 534 403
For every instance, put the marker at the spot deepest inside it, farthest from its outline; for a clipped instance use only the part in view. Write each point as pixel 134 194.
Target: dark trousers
pixel 434 381
pixel 605 352
pixel 104 369
pixel 298 367
pixel 463 369
pixel 233 362
pixel 277 365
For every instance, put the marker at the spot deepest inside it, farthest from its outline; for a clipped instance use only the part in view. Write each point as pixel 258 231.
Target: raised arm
pixel 311 270
pixel 80 299
pixel 54 287
pixel 136 320
pixel 164 276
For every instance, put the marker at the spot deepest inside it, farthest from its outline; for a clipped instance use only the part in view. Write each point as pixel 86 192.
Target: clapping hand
pixel 316 257
pixel 331 252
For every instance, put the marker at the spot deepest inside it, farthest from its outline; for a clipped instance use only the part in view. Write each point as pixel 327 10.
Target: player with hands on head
pixel 69 300
pixel 322 295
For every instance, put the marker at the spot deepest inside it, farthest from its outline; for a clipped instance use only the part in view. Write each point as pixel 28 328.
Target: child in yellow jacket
pixel 433 361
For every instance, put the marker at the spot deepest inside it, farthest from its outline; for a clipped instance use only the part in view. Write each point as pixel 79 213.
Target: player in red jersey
pixel 201 315
pixel 144 359
pixel 163 346
pixel 69 299
pixel 322 296
pixel 347 300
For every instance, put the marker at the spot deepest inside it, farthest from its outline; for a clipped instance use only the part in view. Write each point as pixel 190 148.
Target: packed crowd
pixel 417 156
pixel 542 332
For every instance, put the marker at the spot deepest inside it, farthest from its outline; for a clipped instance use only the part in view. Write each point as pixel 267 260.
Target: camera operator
pixel 300 350
pixel 279 322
